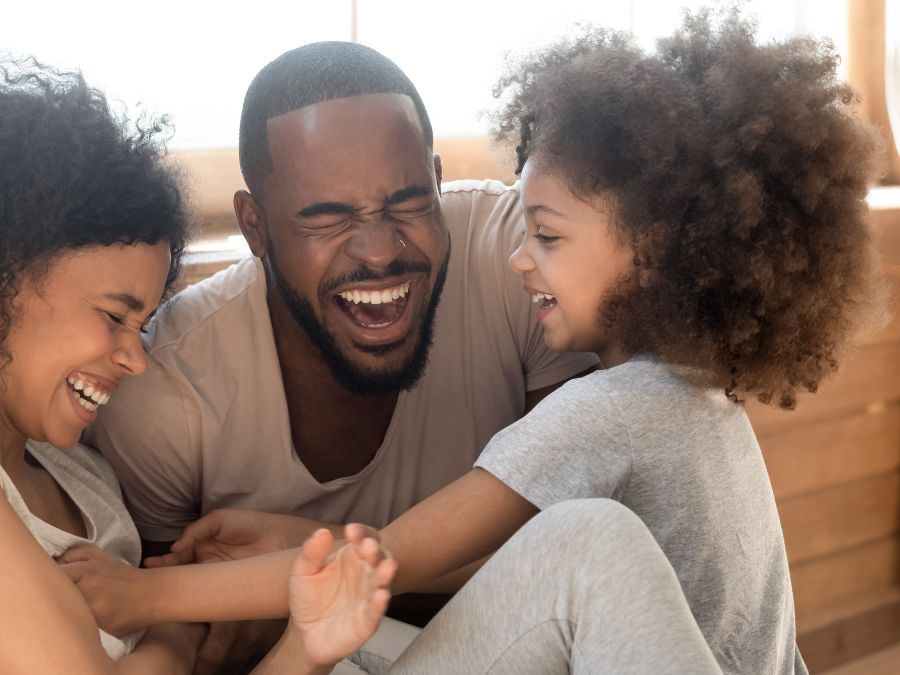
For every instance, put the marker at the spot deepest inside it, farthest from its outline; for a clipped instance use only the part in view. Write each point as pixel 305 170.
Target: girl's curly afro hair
pixel 739 177
pixel 74 175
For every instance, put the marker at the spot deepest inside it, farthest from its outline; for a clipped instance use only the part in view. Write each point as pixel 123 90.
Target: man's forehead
pixel 329 120
pixel 350 149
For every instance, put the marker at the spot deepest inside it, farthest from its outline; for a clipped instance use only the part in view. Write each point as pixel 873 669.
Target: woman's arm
pixel 45 625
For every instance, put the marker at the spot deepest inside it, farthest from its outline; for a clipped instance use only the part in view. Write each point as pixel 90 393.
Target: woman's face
pixel 75 333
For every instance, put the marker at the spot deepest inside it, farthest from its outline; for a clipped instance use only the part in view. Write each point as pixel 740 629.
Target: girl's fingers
pixel 313 553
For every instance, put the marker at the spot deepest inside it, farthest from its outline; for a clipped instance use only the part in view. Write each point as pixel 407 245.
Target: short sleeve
pixel 147 435
pixel 574 444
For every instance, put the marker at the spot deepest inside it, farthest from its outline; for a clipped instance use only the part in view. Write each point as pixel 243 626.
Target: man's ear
pixel 438 171
pixel 252 221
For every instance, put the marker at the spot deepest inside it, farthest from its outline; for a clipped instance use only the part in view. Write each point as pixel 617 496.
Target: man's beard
pixel 355 378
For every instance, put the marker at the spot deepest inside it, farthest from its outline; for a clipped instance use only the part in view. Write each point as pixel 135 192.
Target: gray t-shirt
pixel 684 458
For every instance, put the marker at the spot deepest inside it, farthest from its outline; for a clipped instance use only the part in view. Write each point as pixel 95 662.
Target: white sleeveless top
pixel 89 481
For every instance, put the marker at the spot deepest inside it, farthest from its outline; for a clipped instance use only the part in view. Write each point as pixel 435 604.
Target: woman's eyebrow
pixel 131 302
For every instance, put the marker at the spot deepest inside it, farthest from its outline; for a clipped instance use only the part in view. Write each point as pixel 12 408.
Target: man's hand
pixel 114 589
pixel 231 534
pixel 337 600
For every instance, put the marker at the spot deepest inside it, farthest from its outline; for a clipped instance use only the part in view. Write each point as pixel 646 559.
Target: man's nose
pixel 376 243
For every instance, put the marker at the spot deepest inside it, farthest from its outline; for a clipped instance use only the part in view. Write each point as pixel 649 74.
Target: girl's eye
pixel 544 239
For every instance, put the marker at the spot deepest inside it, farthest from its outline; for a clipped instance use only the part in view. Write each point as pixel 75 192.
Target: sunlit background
pixel 194 59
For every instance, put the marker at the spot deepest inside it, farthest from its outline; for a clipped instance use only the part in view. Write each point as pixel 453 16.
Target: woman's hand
pixel 115 591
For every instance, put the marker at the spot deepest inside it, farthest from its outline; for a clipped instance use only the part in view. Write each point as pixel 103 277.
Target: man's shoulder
pixel 476 189
pixel 484 218
pixel 206 304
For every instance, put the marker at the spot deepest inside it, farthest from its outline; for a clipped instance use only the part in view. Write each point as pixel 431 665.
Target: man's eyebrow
pixel 131 302
pixel 410 192
pixel 324 208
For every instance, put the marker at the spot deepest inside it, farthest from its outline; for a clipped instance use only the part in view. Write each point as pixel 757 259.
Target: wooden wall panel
pixel 837 518
pixel 872 375
pixel 835 451
pixel 852 630
pixel 860 571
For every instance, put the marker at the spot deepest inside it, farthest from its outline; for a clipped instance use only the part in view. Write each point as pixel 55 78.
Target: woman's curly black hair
pixel 739 177
pixel 72 174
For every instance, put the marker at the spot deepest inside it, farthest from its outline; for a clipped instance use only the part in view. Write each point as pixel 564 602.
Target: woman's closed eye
pixel 545 238
pixel 120 321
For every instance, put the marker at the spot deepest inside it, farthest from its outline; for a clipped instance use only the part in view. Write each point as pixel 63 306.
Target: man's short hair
pixel 310 74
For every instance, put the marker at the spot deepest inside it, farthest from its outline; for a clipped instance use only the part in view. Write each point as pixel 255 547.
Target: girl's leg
pixel 582 588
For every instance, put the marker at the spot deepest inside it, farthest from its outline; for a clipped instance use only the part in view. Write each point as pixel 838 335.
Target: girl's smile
pixel 570 261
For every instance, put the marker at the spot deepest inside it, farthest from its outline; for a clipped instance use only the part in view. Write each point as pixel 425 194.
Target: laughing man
pixel 375 342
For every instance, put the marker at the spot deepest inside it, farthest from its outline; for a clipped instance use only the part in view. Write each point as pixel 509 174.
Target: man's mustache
pixel 365 273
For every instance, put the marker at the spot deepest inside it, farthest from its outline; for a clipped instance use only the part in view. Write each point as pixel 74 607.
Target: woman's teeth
pixel 376 297
pixel 538 297
pixel 88 397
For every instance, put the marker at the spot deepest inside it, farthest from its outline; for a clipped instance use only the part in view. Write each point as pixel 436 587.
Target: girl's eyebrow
pixel 534 208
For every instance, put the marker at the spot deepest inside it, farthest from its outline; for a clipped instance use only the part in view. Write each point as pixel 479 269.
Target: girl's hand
pixel 114 589
pixel 338 600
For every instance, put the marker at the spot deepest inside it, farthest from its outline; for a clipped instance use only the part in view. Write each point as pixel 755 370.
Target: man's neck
pixel 335 432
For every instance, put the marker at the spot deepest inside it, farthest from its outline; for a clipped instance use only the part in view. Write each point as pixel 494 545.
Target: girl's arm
pixel 458 525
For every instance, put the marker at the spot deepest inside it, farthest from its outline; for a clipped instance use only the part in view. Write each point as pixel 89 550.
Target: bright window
pixel 194 59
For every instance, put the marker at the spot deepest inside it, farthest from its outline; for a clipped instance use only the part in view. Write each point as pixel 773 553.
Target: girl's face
pixel 569 261
pixel 75 333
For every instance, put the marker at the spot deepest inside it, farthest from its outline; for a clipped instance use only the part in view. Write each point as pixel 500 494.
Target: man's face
pixel 355 243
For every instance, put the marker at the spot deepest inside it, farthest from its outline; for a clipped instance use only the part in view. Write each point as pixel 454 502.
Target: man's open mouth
pixel 374 307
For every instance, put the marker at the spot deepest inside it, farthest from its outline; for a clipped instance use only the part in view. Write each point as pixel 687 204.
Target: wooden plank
pixel 840 517
pixel 882 662
pixel 859 628
pixel 831 452
pixel 872 375
pixel 857 572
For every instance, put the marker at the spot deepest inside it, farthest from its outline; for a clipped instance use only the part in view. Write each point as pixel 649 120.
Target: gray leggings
pixel 582 588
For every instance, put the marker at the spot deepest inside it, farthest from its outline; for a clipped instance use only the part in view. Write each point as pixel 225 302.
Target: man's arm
pixel 532 398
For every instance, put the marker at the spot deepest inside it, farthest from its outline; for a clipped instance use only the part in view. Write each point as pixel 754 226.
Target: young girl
pixel 696 217
pixel 92 227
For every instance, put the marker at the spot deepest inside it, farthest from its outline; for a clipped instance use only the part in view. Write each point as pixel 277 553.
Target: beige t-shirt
pixel 207 426
pixel 88 479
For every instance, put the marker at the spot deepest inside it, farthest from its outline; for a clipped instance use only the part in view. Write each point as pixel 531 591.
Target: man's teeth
pixel 377 297
pixel 94 397
pixel 538 297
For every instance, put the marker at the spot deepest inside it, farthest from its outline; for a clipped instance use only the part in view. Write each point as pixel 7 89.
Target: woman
pixel 92 228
